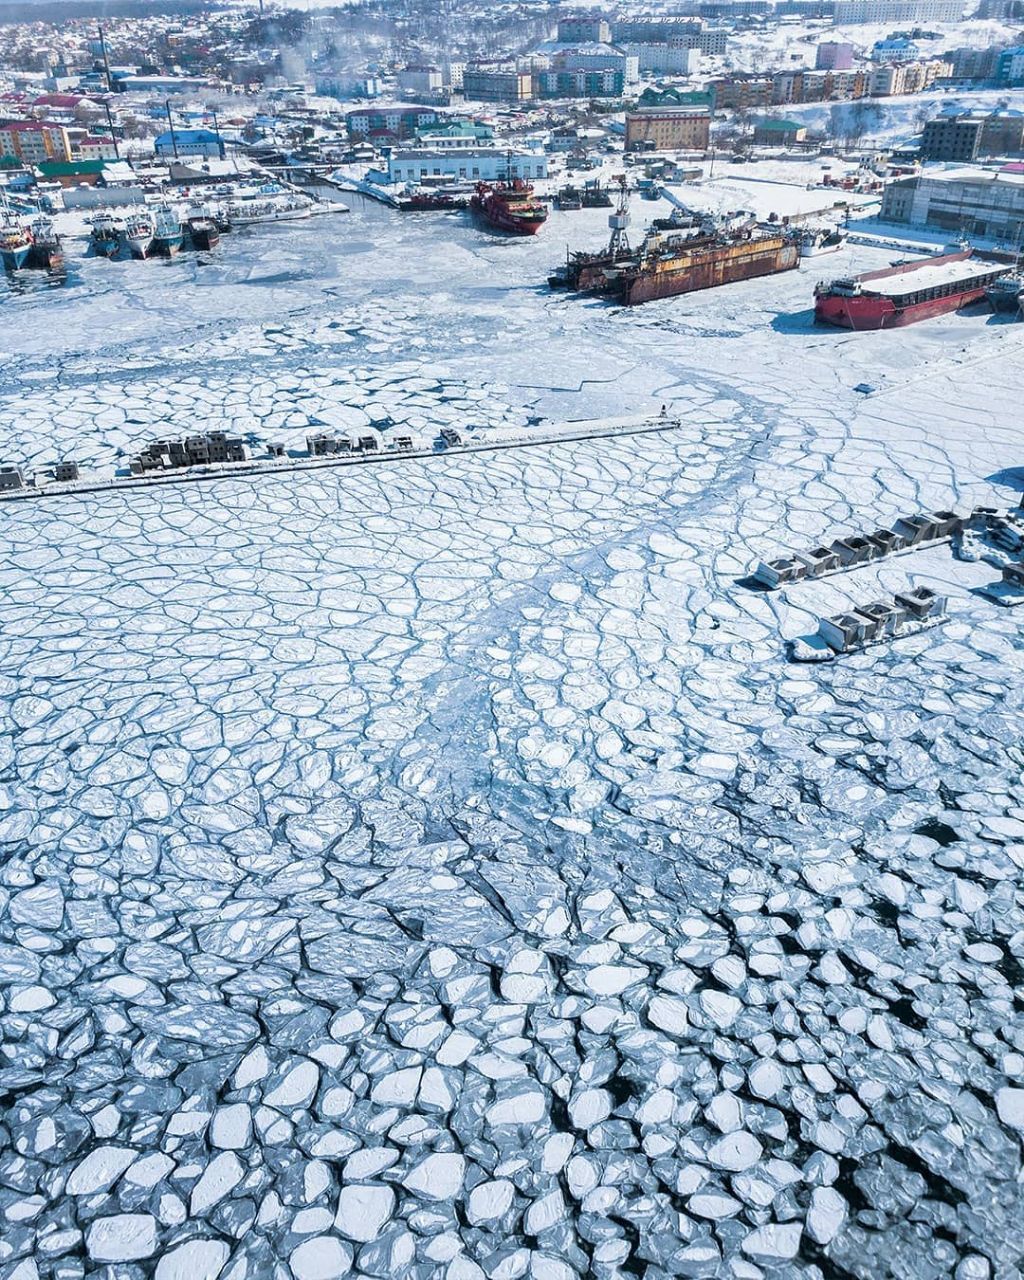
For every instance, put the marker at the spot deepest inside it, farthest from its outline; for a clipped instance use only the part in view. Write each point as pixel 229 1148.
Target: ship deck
pixel 929 277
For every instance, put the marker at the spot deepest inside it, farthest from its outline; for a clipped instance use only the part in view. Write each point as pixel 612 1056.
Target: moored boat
pixel 46 253
pixel 105 235
pixel 1006 295
pixel 167 232
pixel 816 241
pixel 268 204
pixel 137 235
pixel 423 200
pixel 203 231
pixel 15 242
pixel 509 206
pixel 904 294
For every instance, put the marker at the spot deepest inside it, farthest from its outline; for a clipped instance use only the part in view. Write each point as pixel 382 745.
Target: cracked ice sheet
pixel 442 868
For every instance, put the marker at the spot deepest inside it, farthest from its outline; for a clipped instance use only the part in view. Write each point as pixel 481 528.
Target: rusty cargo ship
pixel 667 264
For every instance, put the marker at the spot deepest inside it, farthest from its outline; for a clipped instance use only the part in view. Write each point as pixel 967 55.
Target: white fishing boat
pixel 267 204
pixel 138 234
pixel 815 241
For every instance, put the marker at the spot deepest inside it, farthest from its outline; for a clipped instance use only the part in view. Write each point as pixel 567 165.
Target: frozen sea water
pixel 440 870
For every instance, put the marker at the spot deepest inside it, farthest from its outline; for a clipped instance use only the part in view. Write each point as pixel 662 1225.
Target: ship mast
pixel 618 221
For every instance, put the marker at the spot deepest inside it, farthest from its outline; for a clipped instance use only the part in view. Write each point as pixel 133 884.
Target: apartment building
pixel 910 12
pixel 34 141
pixel 506 84
pixel 668 128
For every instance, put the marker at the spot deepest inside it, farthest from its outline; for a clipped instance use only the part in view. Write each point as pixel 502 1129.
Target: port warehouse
pixel 968 201
pixel 483 163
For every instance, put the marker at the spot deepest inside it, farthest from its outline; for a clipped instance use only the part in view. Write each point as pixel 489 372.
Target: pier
pixel 274 465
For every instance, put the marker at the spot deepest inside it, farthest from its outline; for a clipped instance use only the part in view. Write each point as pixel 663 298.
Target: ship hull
pixel 166 246
pixel 873 312
pixel 511 225
pixel 204 237
pixel 138 246
pixel 706 271
pixel 14 259
pixel 105 248
pixel 1005 302
pixel 45 257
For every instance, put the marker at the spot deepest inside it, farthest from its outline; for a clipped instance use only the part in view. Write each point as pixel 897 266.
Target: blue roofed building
pixel 189 142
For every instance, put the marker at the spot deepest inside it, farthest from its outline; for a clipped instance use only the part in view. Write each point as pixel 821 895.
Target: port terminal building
pixel 480 164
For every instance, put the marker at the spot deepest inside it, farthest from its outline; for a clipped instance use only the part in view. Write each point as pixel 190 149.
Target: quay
pixel 13 488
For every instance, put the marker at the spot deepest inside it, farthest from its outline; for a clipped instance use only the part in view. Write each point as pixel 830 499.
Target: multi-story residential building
pixel 484 164
pixel 973 64
pixel 644 28
pixel 833 55
pixel 951 138
pixel 34 141
pixel 911 12
pixel 489 84
pixel 1010 66
pixel 666 58
pixel 817 86
pixel 896 78
pixel 561 83
pixel 389 122
pixel 420 79
pixel 597 57
pixel 584 31
pixel 689 33
pixel 962 138
pixel 968 201
pixel 668 128
pixel 742 92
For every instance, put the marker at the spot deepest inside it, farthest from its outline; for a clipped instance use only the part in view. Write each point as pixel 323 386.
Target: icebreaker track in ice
pixel 439 871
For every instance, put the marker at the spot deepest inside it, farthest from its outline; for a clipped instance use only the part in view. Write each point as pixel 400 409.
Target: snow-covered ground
pixel 439 869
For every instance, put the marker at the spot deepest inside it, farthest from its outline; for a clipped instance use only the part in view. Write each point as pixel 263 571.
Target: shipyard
pixel 511 640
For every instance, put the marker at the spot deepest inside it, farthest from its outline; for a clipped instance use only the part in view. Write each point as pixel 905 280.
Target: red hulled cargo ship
pixel 509 206
pixel 906 293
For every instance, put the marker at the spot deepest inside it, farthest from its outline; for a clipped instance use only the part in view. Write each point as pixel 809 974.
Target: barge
pixel 907 292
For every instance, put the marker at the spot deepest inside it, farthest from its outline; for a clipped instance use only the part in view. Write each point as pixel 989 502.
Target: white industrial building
pixel 483 164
